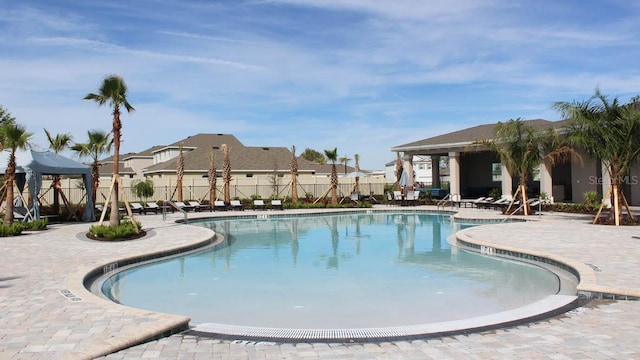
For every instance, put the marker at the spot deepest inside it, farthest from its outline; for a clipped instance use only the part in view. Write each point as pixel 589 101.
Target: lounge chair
pixel 258 204
pixel 137 208
pixel 472 202
pixel 237 205
pixel 197 206
pixel 181 205
pixel 219 205
pixel 152 207
pixel 276 205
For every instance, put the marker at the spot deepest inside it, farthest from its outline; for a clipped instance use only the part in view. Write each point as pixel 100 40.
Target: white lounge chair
pixel 276 204
pixel 258 204
pixel 137 208
pixel 237 205
pixel 219 205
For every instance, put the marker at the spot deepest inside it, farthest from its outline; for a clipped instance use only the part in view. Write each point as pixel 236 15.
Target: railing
pixel 173 205
pixel 449 198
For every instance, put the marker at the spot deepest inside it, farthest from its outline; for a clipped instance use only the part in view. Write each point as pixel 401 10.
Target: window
pixel 249 175
pixel 496 172
pixel 535 173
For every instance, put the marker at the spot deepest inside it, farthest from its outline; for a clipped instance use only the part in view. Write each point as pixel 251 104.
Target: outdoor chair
pixel 152 207
pixel 197 206
pixel 137 208
pixel 219 205
pixel 276 205
pixel 258 204
pixel 237 205
pixel 182 206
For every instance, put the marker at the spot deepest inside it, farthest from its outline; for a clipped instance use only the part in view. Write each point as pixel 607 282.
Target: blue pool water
pixel 332 271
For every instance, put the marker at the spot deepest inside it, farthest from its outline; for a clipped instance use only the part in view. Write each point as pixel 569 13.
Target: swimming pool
pixel 349 271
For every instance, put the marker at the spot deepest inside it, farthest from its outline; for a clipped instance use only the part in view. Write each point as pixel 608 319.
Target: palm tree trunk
pixel 334 185
pixel 95 177
pixel 10 174
pixel 114 218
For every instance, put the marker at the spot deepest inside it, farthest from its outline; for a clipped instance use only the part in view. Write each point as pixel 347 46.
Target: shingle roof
pixel 242 158
pixel 469 135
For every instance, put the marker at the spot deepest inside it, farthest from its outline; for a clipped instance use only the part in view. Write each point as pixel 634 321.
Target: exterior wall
pixel 584 177
pixel 475 173
pixel 137 164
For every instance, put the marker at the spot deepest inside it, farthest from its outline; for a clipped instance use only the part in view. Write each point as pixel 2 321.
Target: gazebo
pixel 32 164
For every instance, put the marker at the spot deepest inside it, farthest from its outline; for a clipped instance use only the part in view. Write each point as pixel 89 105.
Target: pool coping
pixel 548 307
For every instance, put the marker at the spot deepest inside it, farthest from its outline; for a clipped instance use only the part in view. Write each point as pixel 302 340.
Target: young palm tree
pixel 294 175
pixel 398 171
pixel 58 143
pixel 345 160
pixel 356 167
pixel 609 132
pixel 226 174
pixel 13 137
pixel 99 144
pixel 521 148
pixel 212 179
pixel 180 172
pixel 332 155
pixel 113 91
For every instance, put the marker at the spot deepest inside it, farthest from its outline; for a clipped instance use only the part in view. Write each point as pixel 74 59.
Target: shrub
pixel 125 230
pixel 591 200
pixel 40 224
pixel 12 230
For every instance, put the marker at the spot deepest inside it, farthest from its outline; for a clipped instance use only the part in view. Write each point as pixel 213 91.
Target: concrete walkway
pixel 46 313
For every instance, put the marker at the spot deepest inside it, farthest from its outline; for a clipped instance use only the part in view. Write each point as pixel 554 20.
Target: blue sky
pixel 359 75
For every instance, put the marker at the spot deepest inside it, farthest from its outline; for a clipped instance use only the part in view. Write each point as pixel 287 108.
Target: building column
pixel 507 181
pixel 546 181
pixel 407 165
pixel 435 171
pixel 454 172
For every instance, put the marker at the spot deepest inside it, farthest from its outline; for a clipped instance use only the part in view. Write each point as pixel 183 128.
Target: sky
pixel 361 76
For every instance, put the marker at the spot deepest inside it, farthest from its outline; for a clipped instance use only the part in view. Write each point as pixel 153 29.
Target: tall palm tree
pixel 609 132
pixel 521 148
pixel 99 144
pixel 5 117
pixel 14 137
pixel 356 168
pixel 294 175
pixel 113 91
pixel 398 171
pixel 180 172
pixel 226 174
pixel 332 155
pixel 58 143
pixel 212 179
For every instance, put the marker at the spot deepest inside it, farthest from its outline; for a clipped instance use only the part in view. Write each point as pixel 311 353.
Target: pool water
pixel 330 272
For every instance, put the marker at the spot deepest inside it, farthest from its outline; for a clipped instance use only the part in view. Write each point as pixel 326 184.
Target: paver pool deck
pixel 46 312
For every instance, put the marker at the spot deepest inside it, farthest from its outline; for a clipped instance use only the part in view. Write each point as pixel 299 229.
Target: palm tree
pixel 180 172
pixel 99 144
pixel 609 132
pixel 356 187
pixel 212 179
pixel 521 148
pixel 13 137
pixel 5 117
pixel 114 92
pixel 294 175
pixel 332 155
pixel 398 171
pixel 58 143
pixel 345 160
pixel 226 174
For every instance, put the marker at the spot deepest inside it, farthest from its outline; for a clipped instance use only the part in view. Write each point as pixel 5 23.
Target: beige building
pixel 475 171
